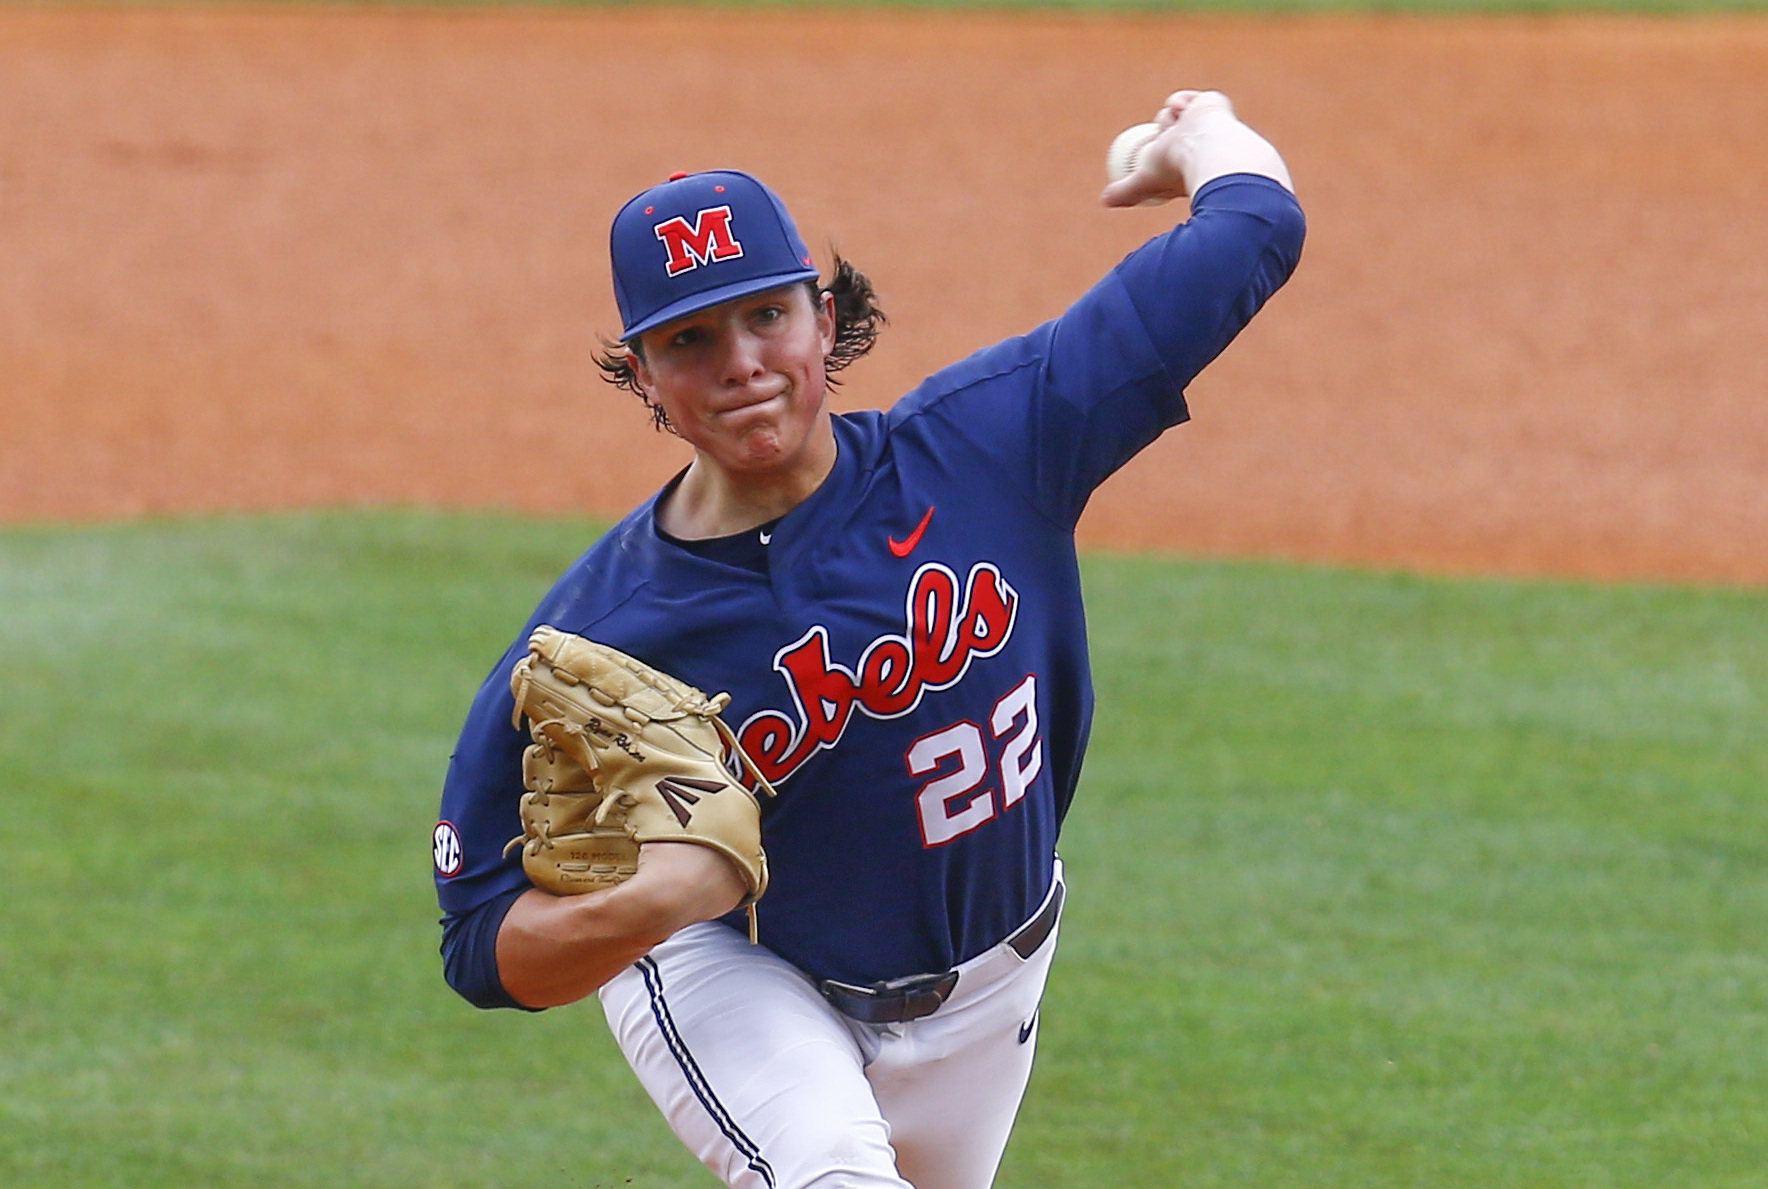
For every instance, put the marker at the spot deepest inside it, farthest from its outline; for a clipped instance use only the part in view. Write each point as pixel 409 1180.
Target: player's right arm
pixel 554 950
pixel 1064 406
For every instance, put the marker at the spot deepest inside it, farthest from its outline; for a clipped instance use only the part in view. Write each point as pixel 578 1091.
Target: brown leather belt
pixel 899 1000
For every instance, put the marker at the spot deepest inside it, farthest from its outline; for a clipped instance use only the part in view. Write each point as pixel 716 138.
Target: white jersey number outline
pixel 958 801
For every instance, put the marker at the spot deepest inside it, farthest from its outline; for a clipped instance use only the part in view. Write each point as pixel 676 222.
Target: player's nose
pixel 742 357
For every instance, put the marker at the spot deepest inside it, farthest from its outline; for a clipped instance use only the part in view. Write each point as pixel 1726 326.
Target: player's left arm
pixel 553 950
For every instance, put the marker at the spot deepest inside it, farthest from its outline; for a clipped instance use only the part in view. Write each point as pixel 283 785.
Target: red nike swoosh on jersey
pixel 904 548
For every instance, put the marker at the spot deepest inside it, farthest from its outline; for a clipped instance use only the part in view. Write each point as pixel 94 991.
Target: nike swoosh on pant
pixel 1025 1028
pixel 904 548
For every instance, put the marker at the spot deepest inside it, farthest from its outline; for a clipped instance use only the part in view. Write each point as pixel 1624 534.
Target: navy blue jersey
pixel 910 670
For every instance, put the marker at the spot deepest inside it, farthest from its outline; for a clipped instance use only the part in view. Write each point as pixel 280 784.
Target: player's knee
pixel 844 1160
pixel 856 1180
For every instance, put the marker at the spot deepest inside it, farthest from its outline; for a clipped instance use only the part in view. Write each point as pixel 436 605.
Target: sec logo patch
pixel 446 844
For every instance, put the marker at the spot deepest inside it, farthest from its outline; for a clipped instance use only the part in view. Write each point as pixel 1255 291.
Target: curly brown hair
pixel 858 319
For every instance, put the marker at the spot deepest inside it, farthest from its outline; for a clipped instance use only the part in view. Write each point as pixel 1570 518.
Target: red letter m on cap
pixel 707 239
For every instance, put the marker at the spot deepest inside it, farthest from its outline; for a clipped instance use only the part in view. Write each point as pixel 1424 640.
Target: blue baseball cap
pixel 698 240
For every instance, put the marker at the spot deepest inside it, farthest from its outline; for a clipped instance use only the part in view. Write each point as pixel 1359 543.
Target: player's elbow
pixel 554 950
pixel 1289 230
pixel 469 954
pixel 1257 233
pixel 478 985
pixel 1284 229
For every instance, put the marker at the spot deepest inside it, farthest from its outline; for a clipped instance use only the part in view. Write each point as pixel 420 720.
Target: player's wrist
pixel 1218 143
pixel 679 884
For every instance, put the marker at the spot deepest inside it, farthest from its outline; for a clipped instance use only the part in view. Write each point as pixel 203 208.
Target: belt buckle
pixel 891 1001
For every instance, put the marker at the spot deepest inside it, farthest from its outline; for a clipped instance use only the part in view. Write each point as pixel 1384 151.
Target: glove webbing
pixel 710 710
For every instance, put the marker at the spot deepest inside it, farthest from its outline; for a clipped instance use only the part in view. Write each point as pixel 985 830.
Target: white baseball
pixel 1126 150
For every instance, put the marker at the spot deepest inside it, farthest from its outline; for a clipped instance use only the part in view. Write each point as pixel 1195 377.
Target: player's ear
pixel 641 372
pixel 827 324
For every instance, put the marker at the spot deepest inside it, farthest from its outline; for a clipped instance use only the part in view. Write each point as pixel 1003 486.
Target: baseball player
pixel 893 603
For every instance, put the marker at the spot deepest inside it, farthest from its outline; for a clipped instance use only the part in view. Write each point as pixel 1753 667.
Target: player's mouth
pixel 753 400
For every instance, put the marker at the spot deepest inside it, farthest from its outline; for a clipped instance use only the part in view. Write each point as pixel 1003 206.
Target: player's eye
pixel 686 338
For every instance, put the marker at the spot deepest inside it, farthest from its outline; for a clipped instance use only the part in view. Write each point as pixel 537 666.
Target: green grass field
pixel 1377 880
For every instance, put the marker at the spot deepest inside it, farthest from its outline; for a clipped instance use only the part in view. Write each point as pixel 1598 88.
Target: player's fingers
pixel 1203 102
pixel 1175 106
pixel 1168 115
pixel 1123 192
pixel 1138 188
pixel 1156 176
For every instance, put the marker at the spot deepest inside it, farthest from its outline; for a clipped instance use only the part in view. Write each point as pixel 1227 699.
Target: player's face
pixel 744 382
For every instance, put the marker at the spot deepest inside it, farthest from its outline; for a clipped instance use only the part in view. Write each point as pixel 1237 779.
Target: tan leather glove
pixel 624 755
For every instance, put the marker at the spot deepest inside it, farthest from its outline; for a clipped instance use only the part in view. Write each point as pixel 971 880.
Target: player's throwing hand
pixel 1200 139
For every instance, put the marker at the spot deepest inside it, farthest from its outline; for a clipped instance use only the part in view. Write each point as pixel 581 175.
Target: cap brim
pixel 711 297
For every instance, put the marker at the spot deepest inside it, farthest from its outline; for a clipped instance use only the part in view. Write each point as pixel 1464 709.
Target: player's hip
pixel 914 997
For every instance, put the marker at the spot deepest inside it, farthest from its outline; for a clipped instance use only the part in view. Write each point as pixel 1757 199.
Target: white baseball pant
pixel 772 1088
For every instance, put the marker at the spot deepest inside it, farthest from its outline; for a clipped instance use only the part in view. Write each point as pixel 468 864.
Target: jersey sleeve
pixel 481 798
pixel 1065 406
pixel 469 952
pixel 482 791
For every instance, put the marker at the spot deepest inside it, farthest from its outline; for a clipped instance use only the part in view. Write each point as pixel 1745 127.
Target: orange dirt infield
pixel 255 259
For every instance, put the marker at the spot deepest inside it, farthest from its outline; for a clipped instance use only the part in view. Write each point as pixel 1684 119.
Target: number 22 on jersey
pixel 959 799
